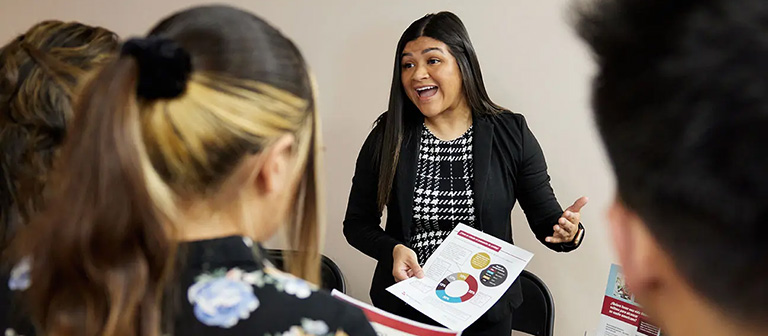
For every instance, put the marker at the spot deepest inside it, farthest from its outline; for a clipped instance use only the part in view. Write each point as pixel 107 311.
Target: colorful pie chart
pixel 471 291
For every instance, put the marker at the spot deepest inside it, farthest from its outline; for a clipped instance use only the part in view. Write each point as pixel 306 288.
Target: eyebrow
pixel 424 51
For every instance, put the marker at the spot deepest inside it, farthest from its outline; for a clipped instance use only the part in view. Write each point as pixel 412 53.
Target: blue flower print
pixel 298 288
pixel 314 327
pixel 222 301
pixel 290 284
pixel 19 279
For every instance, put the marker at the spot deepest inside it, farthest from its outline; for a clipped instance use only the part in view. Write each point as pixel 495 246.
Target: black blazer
pixel 509 166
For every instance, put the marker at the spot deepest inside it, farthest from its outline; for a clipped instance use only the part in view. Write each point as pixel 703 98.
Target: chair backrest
pixel 330 273
pixel 536 315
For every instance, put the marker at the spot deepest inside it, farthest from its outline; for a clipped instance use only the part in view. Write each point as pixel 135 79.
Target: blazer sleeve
pixel 362 222
pixel 535 193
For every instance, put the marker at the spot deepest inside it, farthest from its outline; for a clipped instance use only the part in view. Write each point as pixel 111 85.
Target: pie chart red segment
pixel 470 280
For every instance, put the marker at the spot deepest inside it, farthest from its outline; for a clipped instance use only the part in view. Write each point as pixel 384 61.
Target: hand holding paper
pixel 466 275
pixel 405 263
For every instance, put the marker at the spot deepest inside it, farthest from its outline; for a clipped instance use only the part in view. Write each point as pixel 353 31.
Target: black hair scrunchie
pixel 164 67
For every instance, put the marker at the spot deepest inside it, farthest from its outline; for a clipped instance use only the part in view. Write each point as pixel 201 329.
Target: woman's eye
pixel 407 65
pixel 433 61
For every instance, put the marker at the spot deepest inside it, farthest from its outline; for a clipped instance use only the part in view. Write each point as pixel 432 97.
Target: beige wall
pixel 532 62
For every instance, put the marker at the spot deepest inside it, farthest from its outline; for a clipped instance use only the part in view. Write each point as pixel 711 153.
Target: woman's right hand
pixel 405 263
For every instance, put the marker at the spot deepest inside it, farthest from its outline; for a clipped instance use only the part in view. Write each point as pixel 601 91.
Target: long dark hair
pixel 402 119
pixel 103 251
pixel 39 73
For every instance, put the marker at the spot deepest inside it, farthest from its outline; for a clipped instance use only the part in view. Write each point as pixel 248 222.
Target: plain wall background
pixel 532 63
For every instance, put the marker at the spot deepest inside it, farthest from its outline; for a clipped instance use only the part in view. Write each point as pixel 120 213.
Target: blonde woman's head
pixel 207 127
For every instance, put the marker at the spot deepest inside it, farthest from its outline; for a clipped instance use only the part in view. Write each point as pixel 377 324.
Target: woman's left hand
pixel 568 225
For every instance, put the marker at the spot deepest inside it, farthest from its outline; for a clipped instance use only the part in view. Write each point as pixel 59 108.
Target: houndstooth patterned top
pixel 443 191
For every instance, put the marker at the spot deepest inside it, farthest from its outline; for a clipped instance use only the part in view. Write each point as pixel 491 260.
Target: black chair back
pixel 330 273
pixel 536 315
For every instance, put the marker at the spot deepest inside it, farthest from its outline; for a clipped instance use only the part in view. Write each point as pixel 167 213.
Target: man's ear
pixel 618 222
pixel 276 166
pixel 637 250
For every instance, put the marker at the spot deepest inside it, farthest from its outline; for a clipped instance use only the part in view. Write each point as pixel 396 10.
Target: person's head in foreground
pixel 681 101
pixel 40 71
pixel 205 129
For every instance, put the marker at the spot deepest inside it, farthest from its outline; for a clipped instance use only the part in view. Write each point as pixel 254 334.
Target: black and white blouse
pixel 443 191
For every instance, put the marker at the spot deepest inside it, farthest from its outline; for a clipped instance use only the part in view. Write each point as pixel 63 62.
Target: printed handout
pixel 465 276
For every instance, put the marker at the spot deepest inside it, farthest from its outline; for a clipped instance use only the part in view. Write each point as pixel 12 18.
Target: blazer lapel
pixel 405 181
pixel 481 155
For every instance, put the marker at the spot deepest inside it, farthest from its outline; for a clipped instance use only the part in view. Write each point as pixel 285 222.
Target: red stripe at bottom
pixel 402 326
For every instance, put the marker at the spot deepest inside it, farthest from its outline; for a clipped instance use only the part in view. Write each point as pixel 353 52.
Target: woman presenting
pixel 444 154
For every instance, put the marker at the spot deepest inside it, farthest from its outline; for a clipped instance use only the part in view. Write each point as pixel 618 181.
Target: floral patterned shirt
pixel 227 287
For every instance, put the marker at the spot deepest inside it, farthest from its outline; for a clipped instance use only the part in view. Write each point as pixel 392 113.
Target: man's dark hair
pixel 681 101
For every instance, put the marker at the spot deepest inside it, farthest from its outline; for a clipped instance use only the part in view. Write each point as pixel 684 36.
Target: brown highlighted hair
pixel 104 248
pixel 39 71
